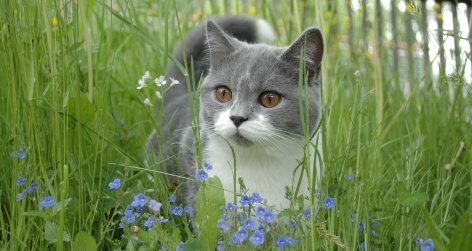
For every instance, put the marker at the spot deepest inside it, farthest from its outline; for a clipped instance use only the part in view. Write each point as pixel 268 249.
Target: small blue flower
pixel 307 214
pixel 20 154
pixel 224 225
pixel 140 200
pixel 240 236
pixel 150 221
pixel 375 223
pixel 427 245
pixel 373 233
pixel 230 206
pixel 289 241
pixel 201 175
pixel 48 202
pixel 21 181
pixel 121 225
pixel 329 202
pixel 292 223
pixel 250 224
pixel 115 184
pixel 419 241
pixel 129 217
pixel 220 246
pixel 361 226
pixel 208 166
pixel 172 199
pixel 257 238
pixel 260 212
pixel 177 211
pixel 32 187
pixel 256 197
pixel 188 210
pixel 269 216
pixel 362 246
pixel 154 205
pixel 121 122
pixel 280 242
pixel 20 196
pixel 349 177
pixel 245 200
pixel 180 247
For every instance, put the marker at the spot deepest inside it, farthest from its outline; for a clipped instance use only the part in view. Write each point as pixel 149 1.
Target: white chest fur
pixel 266 171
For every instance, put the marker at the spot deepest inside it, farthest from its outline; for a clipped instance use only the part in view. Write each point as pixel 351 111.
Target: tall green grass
pixel 69 72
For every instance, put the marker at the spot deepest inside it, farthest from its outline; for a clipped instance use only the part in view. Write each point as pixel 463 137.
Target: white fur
pixel 264 32
pixel 264 168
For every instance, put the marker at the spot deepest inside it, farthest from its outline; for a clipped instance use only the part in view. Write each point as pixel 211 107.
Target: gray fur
pixel 248 70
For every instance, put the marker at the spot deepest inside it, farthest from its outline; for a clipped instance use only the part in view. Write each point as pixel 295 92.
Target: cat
pixel 249 99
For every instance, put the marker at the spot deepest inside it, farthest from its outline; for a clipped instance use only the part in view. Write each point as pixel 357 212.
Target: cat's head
pixel 251 96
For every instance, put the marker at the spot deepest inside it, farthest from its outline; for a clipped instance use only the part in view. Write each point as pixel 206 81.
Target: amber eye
pixel 223 94
pixel 269 99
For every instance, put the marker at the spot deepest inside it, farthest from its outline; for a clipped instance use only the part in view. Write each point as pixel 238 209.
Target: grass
pixel 68 93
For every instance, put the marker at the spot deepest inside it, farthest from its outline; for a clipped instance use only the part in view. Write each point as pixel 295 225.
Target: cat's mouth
pixel 241 140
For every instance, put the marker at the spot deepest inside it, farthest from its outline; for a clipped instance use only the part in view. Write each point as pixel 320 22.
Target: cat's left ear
pixel 220 45
pixel 311 41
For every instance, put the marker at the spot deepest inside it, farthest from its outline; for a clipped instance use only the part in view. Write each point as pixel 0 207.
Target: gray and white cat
pixel 249 99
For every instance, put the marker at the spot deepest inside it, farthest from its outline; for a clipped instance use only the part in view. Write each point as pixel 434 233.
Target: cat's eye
pixel 223 94
pixel 269 99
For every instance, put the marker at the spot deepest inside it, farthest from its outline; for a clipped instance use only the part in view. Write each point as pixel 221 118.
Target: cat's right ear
pixel 220 45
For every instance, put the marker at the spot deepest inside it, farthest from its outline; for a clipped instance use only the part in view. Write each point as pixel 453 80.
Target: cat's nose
pixel 238 120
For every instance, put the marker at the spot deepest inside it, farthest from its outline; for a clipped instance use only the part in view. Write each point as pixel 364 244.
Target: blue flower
pixel 373 233
pixel 129 217
pixel 177 211
pixel 172 199
pixel 121 225
pixel 256 197
pixel 260 211
pixel 20 154
pixel 224 225
pixel 220 246
pixel 48 202
pixel 329 202
pixel 307 214
pixel 150 221
pixel 115 184
pixel 20 196
pixel 250 224
pixel 349 177
pixel 419 241
pixel 269 216
pixel 180 247
pixel 240 236
pixel 292 223
pixel 188 210
pixel 208 166
pixel 361 226
pixel 257 238
pixel 21 181
pixel 140 200
pixel 32 187
pixel 245 200
pixel 362 246
pixel 154 205
pixel 230 206
pixel 201 175
pixel 375 223
pixel 121 122
pixel 427 245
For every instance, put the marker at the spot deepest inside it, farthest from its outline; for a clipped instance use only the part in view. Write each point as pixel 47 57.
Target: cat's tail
pixel 247 29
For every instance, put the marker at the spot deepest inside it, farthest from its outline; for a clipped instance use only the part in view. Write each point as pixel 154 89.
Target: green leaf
pixel 210 198
pixel 84 241
pixel 51 233
pixel 436 234
pixel 195 245
pixel 462 237
pixel 410 199
pixel 80 108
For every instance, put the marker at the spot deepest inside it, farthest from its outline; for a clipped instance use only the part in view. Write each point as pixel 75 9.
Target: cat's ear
pixel 220 45
pixel 311 41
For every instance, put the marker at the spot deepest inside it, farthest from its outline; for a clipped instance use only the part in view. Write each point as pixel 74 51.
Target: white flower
pixel 174 82
pixel 147 102
pixel 160 81
pixel 357 73
pixel 146 75
pixel 158 95
pixel 141 84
